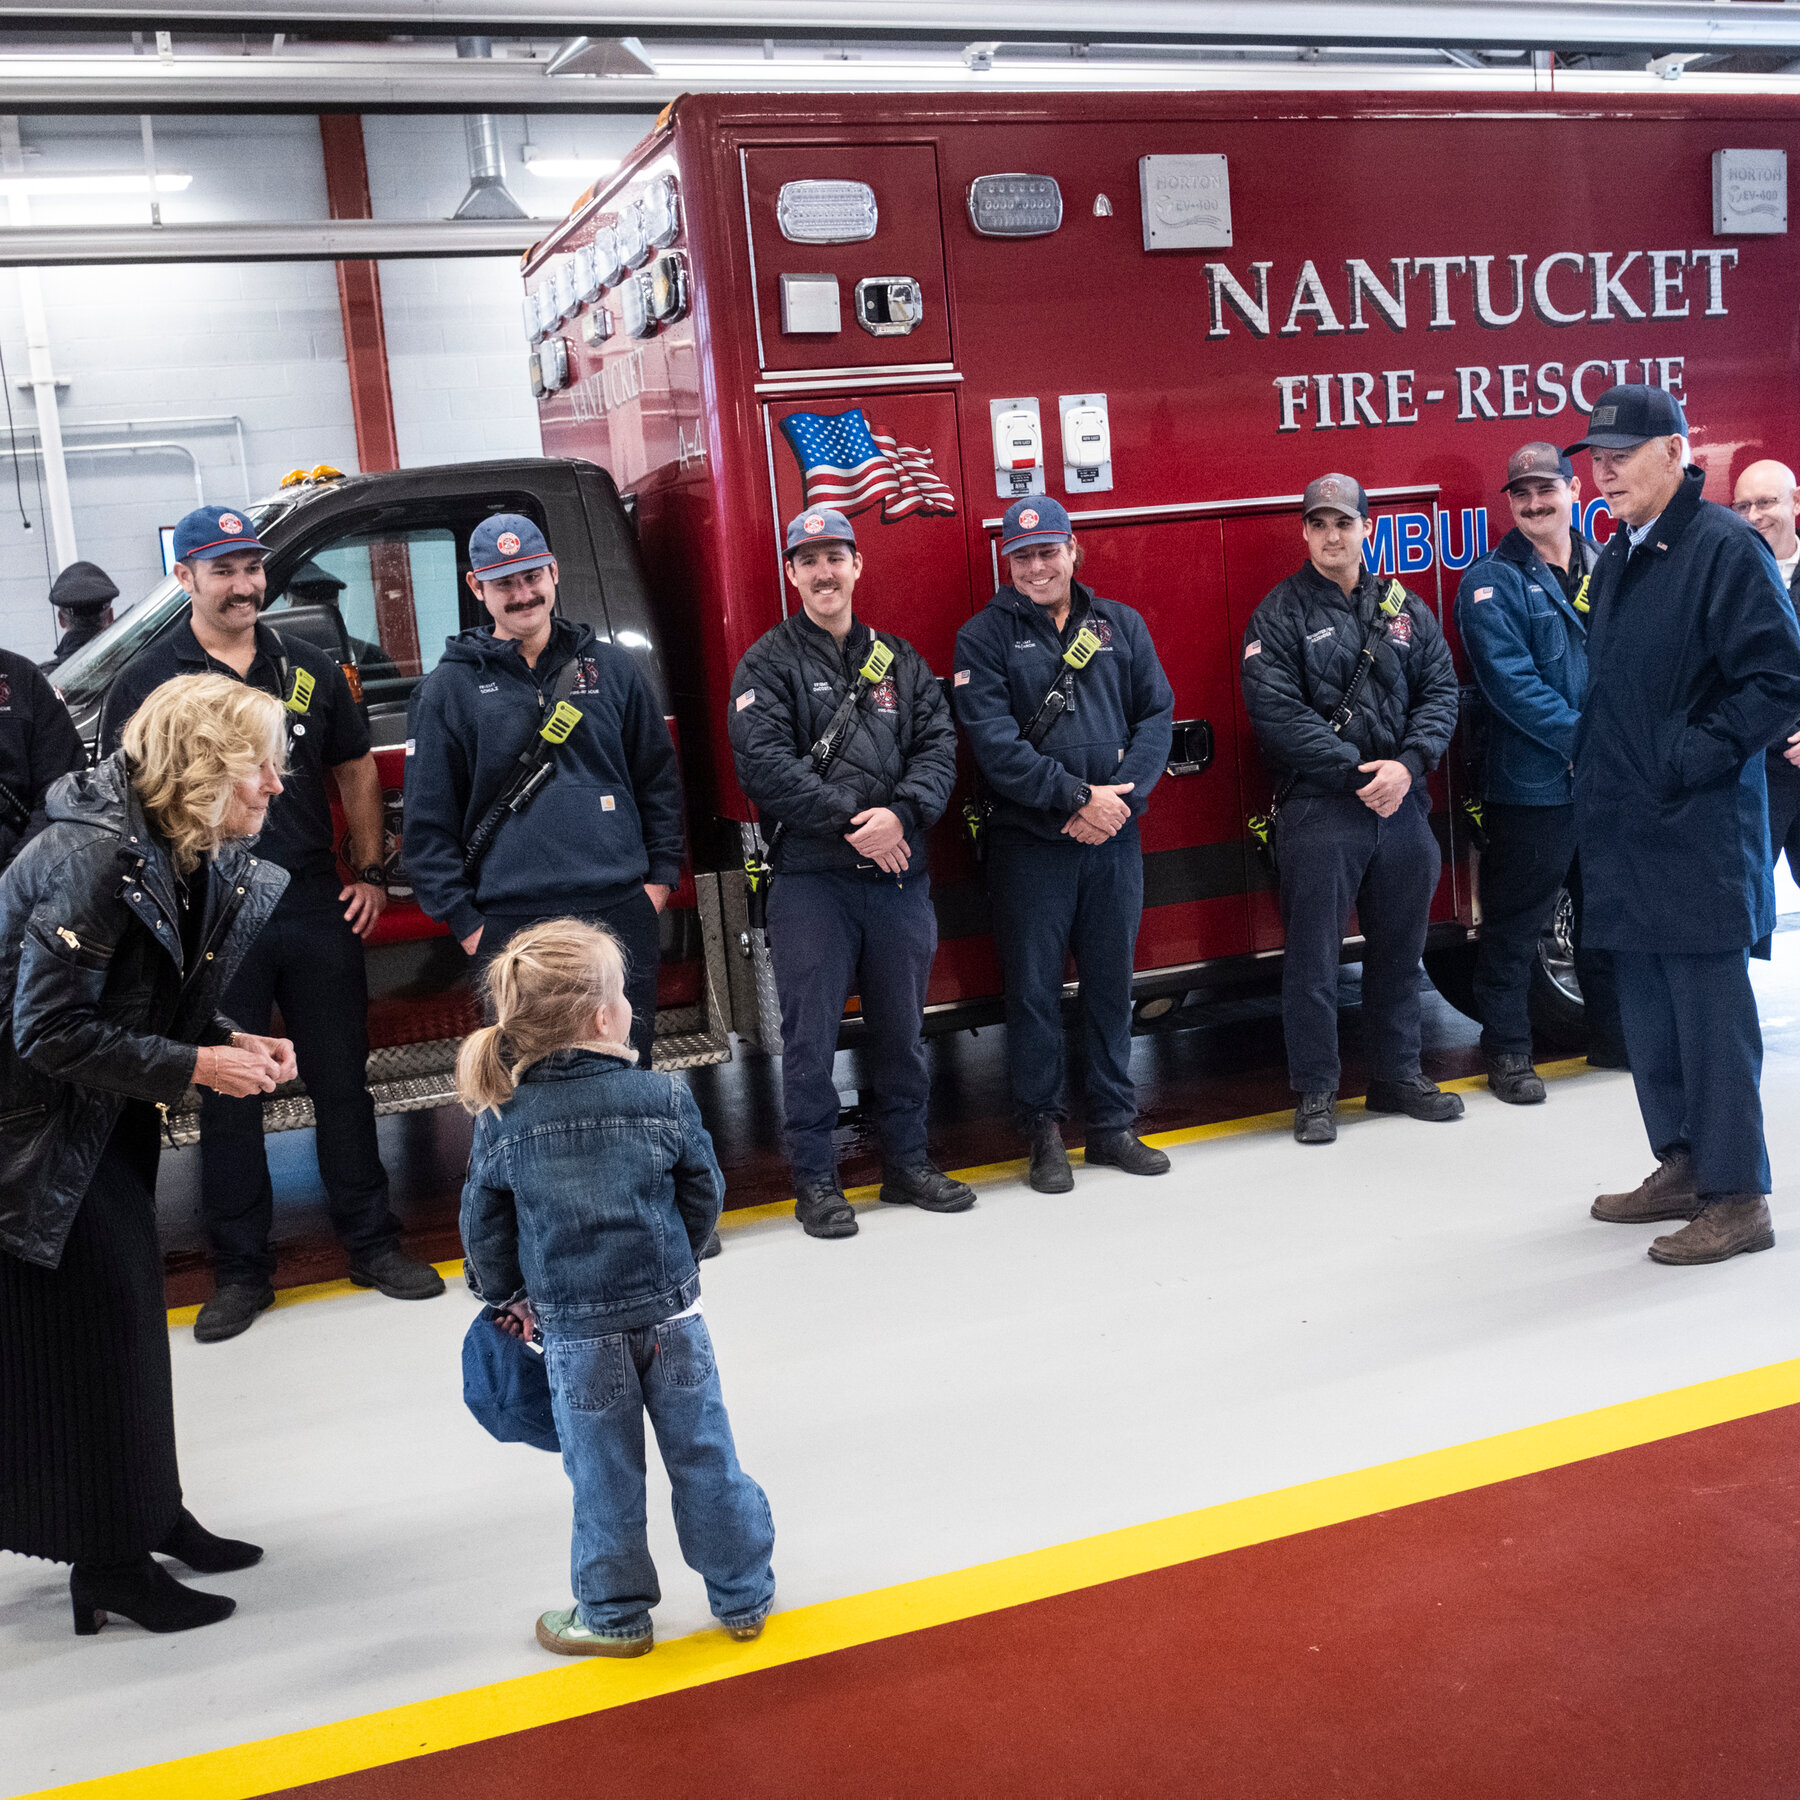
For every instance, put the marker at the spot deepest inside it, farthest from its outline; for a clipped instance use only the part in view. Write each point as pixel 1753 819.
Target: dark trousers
pixel 308 962
pixel 1052 901
pixel 1336 854
pixel 634 921
pixel 1696 1057
pixel 1530 857
pixel 832 933
pixel 1784 810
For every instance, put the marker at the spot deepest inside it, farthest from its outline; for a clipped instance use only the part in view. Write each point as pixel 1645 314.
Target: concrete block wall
pixel 260 343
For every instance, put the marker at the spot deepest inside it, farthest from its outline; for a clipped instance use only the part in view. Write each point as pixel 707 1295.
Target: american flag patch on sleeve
pixel 746 698
pixel 962 677
pixel 1253 648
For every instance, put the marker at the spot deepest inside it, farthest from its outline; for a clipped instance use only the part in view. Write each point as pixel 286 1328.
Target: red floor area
pixel 1621 1629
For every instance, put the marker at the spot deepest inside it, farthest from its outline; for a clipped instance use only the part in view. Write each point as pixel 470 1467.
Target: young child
pixel 592 1188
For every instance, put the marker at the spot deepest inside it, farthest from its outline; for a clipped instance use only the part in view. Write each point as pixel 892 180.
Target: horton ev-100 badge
pixel 849 466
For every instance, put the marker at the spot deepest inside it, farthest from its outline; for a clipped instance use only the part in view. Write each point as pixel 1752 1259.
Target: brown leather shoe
pixel 1667 1192
pixel 1731 1225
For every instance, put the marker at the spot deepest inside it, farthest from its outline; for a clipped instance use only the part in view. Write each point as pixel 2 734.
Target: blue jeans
pixel 600 1389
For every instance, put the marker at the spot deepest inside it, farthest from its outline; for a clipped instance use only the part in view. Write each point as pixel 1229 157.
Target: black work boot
pixel 1050 1172
pixel 1123 1149
pixel 1512 1078
pixel 232 1311
pixel 711 1247
pixel 1730 1225
pixel 1667 1192
pixel 930 1189
pixel 1315 1119
pixel 399 1276
pixel 822 1210
pixel 1417 1098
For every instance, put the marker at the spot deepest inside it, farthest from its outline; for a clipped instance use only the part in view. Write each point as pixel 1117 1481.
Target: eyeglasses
pixel 1763 503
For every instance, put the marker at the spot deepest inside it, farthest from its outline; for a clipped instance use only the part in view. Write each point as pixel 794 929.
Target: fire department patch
pixel 507 543
pixel 1400 629
pixel 5 693
pixel 884 696
pixel 587 677
pixel 1102 629
pixel 812 525
pixel 1028 517
pixel 230 524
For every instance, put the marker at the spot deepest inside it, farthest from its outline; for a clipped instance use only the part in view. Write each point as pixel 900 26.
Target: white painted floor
pixel 936 1393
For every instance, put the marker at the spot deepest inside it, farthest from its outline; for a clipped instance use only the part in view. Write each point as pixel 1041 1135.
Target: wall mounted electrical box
pixel 1086 443
pixel 810 303
pixel 1018 447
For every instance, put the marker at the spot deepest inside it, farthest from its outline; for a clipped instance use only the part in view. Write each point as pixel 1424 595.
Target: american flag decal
pixel 849 465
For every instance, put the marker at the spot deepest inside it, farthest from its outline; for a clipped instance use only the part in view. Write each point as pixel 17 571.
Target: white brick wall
pixel 261 341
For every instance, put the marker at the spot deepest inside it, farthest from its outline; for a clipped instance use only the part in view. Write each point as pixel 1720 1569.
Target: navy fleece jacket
pixel 607 821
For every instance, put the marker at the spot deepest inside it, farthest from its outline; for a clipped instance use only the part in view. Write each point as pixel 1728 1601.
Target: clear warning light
pixel 826 212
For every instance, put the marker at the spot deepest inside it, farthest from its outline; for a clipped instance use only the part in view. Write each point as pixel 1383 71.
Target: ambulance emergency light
pixel 633 235
pixel 606 256
pixel 1087 443
pixel 562 286
pixel 826 212
pixel 662 212
pixel 1018 447
pixel 587 274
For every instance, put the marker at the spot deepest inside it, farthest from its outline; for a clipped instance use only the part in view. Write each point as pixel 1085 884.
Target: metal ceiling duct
pixel 1587 25
pixel 307 240
pixel 488 196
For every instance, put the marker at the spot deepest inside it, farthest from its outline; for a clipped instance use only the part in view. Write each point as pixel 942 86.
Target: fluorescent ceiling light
pixel 568 168
pixel 168 181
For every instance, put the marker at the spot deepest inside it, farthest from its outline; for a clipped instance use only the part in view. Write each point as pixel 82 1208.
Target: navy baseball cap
pixel 210 531
pixel 1537 462
pixel 1624 417
pixel 506 544
pixel 1037 519
pixel 818 525
pixel 1335 493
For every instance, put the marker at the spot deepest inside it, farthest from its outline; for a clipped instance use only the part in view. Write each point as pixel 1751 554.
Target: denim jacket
pixel 592 1192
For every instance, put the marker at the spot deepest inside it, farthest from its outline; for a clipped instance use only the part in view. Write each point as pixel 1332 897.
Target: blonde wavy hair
pixel 545 987
pixel 187 745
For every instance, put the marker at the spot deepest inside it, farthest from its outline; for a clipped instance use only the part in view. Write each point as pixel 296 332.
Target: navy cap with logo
pixel 506 544
pixel 210 531
pixel 1335 493
pixel 819 525
pixel 1537 462
pixel 1036 519
pixel 1624 417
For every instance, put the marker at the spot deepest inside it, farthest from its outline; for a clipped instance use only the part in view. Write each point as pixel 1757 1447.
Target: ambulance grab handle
pixel 1190 746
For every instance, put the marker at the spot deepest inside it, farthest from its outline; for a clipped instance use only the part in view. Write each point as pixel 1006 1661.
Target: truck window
pixel 399 594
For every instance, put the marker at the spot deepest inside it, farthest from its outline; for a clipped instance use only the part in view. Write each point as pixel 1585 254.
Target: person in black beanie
pixel 82 595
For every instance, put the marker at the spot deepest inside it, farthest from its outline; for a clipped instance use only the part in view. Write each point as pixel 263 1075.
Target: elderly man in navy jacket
pixel 1694 669
pixel 1069 779
pixel 1522 613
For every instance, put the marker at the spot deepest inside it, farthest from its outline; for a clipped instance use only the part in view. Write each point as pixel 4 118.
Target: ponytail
pixel 544 989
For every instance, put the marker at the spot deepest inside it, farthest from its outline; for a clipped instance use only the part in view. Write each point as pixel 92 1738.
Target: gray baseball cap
pixel 1537 462
pixel 1335 493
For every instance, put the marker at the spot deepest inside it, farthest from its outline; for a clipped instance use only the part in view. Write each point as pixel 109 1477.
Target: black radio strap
pixel 533 766
pixel 13 810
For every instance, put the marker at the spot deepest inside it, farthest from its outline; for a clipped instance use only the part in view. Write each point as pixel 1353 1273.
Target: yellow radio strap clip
pixel 1580 601
pixel 1081 651
pixel 877 663
pixel 300 695
pixel 1393 600
pixel 560 723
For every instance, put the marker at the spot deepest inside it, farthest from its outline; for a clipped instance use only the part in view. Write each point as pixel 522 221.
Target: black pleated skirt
pixel 87 1415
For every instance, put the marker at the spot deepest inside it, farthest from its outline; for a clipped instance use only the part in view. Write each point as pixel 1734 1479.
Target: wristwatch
pixel 1083 794
pixel 375 875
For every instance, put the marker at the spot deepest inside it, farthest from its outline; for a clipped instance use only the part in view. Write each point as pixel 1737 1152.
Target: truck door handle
pixel 1190 746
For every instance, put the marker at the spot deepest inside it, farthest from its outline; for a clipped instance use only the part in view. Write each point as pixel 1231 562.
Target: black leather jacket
pixel 95 1006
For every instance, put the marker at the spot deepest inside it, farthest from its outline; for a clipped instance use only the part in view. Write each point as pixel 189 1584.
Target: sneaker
pixel 1667 1192
pixel 1050 1172
pixel 822 1210
pixel 1315 1119
pixel 1730 1225
pixel 564 1633
pixel 232 1311
pixel 928 1188
pixel 1512 1078
pixel 397 1275
pixel 1417 1098
pixel 1125 1150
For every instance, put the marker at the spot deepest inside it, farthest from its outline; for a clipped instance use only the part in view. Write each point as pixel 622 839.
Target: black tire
pixel 1558 1015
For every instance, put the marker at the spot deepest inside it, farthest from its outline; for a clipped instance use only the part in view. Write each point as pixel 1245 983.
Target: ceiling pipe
pixel 305 240
pixel 488 196
pixel 1587 25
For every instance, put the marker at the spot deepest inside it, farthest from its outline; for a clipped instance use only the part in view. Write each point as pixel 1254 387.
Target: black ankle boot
pixel 142 1591
pixel 190 1542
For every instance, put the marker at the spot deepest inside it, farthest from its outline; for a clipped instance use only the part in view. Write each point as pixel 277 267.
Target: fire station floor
pixel 1371 1471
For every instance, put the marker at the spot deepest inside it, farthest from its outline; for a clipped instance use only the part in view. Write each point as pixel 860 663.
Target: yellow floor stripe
pixel 739 1217
pixel 571 1690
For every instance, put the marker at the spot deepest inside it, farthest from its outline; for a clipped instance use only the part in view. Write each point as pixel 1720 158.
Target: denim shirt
pixel 591 1192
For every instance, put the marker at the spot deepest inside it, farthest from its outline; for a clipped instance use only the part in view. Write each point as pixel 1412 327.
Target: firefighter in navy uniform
pixel 82 596
pixel 1765 496
pixel 1350 688
pixel 1693 671
pixel 38 742
pixel 309 958
pixel 844 743
pixel 1069 777
pixel 1522 613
